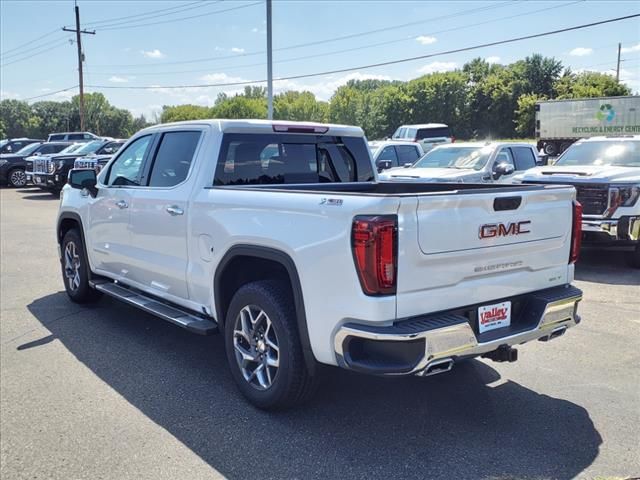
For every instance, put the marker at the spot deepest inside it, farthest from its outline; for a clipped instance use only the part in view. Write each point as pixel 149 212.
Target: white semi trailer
pixel 559 123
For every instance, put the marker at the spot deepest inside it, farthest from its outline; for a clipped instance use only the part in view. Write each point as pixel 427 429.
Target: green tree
pixel 54 116
pixel 18 119
pixel 299 106
pixel 589 84
pixel 240 106
pixel 180 113
pixel 525 115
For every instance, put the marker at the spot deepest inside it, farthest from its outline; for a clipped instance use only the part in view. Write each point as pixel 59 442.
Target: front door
pixel 108 234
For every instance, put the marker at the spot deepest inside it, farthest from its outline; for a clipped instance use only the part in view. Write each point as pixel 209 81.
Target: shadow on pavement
pixel 39 195
pixel 456 425
pixel 606 266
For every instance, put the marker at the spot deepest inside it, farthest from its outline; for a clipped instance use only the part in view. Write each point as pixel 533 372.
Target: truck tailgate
pixel 466 248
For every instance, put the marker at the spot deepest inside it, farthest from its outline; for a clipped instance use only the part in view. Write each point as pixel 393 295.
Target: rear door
pixel 159 214
pixel 462 248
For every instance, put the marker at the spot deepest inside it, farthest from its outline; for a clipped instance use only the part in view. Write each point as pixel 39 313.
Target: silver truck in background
pixel 559 123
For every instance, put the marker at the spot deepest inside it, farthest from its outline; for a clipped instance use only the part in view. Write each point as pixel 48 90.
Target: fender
pixel 76 217
pixel 267 253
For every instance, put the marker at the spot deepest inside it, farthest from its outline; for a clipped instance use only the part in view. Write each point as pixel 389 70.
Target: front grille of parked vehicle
pixel 41 165
pixel 594 198
pixel 84 164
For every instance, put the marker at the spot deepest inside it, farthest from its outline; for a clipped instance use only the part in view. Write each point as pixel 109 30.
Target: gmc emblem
pixel 492 230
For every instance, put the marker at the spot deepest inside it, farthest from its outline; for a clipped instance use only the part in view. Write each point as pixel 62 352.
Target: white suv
pixel 428 135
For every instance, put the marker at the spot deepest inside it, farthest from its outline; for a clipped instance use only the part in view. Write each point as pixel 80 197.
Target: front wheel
pixel 263 346
pixel 75 269
pixel 551 149
pixel 17 178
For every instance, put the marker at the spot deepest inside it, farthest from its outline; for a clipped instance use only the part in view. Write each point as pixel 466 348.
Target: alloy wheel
pixel 256 349
pixel 18 178
pixel 72 266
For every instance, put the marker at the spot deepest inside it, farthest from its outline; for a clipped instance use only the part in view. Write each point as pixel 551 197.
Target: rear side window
pixel 433 133
pixel 248 159
pixel 76 136
pixel 407 154
pixel 389 153
pixel 173 158
pixel 56 138
pixel 524 158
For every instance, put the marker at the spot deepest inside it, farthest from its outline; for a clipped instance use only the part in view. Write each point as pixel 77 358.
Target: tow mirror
pixel 501 169
pixel 84 178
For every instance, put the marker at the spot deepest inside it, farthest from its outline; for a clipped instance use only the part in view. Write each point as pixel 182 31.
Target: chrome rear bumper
pixel 436 339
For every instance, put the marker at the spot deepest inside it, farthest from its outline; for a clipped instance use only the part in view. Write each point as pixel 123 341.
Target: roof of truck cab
pixel 261 126
pixel 425 125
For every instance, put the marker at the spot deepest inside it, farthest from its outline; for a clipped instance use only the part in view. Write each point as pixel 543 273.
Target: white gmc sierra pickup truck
pixel 279 236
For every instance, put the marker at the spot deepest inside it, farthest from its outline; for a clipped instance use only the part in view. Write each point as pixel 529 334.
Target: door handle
pixel 122 204
pixel 174 210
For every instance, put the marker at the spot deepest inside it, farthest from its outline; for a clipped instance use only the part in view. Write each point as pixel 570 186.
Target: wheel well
pixel 244 269
pixel 66 224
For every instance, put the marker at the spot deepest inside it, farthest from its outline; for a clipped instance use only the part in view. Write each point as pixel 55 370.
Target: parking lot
pixel 110 392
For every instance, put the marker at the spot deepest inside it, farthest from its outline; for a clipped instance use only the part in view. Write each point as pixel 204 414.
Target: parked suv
pixel 98 159
pixel 394 153
pixel 72 137
pixel 606 174
pixel 12 145
pixel 278 235
pixel 428 135
pixel 469 162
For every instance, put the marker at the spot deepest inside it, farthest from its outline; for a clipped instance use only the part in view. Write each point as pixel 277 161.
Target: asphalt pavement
pixel 109 392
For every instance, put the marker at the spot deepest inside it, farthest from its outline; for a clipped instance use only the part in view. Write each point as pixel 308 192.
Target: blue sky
pixel 212 42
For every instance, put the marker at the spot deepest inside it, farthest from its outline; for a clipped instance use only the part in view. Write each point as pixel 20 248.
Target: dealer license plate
pixel 494 316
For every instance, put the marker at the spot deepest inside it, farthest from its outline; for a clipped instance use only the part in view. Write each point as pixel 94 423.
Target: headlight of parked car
pixel 52 167
pixel 3 162
pixel 625 195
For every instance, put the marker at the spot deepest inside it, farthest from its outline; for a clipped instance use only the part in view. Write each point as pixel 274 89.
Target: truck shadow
pixel 606 266
pixel 450 426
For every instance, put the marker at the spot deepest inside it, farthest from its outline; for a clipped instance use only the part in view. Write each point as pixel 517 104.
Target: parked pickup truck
pixel 606 174
pixel 279 236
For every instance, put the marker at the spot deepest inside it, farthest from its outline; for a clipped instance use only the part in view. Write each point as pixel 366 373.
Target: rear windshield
pixel 249 159
pixel 624 154
pixel 29 149
pixel 53 138
pixel 433 133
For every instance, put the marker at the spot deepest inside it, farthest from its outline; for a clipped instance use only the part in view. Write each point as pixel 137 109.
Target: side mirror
pixel 84 178
pixel 543 160
pixel 384 165
pixel 501 169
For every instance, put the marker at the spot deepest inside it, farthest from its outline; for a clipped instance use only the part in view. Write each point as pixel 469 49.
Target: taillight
pixel 576 232
pixel 374 241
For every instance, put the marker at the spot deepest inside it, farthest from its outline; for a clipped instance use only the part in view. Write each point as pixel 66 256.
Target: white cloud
pixel 426 40
pixel 634 48
pixel 493 59
pixel 116 79
pixel 221 78
pixel 155 53
pixel 44 89
pixel 438 67
pixel 237 50
pixel 5 95
pixel 581 52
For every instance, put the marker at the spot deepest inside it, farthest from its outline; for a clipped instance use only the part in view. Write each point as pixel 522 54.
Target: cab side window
pixel 504 156
pixel 76 136
pixel 173 158
pixel 524 157
pixel 125 171
pixel 407 153
pixel 388 153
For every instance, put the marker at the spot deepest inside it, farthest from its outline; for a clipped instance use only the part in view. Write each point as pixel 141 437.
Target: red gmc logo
pixel 492 230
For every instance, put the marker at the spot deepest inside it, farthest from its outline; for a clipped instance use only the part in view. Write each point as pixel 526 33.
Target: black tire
pixel 16 178
pixel 634 257
pixel 292 384
pixel 551 149
pixel 77 287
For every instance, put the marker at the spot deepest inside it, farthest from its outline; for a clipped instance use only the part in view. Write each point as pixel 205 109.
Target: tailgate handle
pixel 506 203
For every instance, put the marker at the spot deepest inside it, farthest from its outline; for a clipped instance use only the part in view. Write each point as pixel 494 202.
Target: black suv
pixel 12 145
pixel 14 165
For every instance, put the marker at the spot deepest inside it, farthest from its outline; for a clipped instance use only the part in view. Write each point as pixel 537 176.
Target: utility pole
pixel 79 33
pixel 269 65
pixel 618 67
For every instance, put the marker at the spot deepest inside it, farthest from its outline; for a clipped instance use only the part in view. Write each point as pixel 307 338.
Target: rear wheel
pixel 263 346
pixel 17 177
pixel 75 269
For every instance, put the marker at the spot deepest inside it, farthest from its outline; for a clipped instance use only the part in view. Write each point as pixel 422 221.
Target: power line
pixel 179 8
pixel 379 64
pixel 19 54
pixel 52 47
pixel 30 42
pixel 319 42
pixel 182 18
pixel 48 94
pixel 363 47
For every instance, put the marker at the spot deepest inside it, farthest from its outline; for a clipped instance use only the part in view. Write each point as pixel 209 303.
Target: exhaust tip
pixel 439 366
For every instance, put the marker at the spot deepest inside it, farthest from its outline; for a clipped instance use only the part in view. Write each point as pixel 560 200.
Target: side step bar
pixel 173 314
